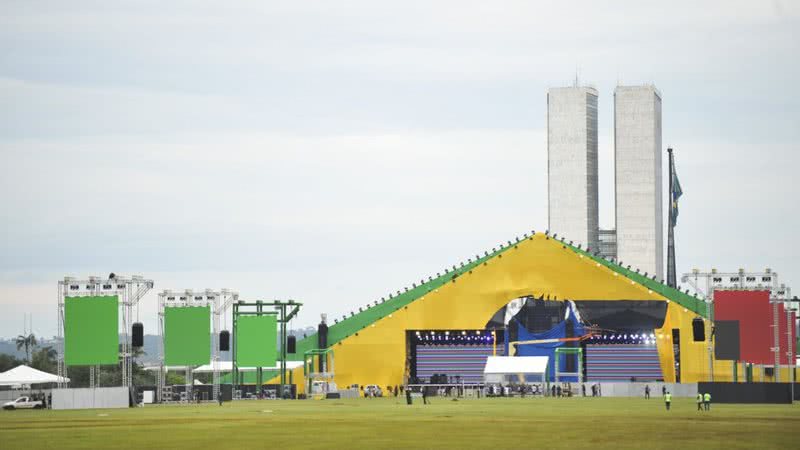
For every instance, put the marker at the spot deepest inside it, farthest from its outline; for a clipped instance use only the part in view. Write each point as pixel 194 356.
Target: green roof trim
pixel 690 302
pixel 351 325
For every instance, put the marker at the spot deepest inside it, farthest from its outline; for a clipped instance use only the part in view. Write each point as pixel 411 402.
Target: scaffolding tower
pixel 129 291
pixel 706 283
pixel 218 302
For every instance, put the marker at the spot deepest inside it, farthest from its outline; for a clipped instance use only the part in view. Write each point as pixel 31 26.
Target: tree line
pixel 46 359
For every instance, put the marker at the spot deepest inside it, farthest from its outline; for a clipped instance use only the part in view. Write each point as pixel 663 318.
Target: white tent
pixel 498 367
pixel 227 366
pixel 24 375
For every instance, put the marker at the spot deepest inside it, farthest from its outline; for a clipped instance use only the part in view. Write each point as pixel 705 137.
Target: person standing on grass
pixel 699 401
pixel 667 400
pixel 647 391
pixel 707 401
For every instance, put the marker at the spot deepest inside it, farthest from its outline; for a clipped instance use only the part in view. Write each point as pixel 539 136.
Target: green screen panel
pixel 91 330
pixel 256 341
pixel 187 335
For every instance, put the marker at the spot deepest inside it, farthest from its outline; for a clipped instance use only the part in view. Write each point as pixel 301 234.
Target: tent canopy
pixel 227 366
pixel 513 365
pixel 24 375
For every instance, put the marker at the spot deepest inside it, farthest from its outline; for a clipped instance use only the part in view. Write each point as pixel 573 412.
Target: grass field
pixel 389 423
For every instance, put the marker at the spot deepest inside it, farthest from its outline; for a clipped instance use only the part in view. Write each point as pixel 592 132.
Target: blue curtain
pixel 549 349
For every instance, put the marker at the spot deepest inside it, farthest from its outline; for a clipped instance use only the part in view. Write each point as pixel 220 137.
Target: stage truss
pixel 219 302
pixel 129 291
pixel 705 283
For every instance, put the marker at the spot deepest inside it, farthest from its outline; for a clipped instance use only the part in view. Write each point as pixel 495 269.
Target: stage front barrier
pixel 637 389
pixel 748 392
pixel 88 398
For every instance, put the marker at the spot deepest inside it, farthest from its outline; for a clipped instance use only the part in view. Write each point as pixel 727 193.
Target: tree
pixel 29 342
pixel 45 360
pixel 8 362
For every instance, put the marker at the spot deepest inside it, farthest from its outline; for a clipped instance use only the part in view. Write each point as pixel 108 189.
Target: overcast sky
pixel 332 151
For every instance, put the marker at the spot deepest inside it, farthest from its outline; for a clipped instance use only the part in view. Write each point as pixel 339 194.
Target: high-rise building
pixel 572 164
pixel 607 240
pixel 637 175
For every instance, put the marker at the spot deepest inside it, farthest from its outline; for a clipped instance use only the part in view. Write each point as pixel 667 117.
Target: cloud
pixel 333 151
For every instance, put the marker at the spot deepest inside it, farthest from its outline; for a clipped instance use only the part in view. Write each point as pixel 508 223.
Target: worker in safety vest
pixel 667 399
pixel 707 401
pixel 699 401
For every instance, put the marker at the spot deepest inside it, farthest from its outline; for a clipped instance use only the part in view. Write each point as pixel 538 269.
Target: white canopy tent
pixel 498 368
pixel 26 376
pixel 227 366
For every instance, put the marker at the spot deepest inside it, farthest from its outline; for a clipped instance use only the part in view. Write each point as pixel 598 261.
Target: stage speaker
pixel 571 361
pixel 698 330
pixel 224 341
pixel 137 331
pixel 291 344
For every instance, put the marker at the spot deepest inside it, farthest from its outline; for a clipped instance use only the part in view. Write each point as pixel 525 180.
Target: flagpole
pixel 671 275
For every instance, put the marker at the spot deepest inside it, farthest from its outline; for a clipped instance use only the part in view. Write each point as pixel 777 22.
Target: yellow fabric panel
pixel 536 266
pixel 694 355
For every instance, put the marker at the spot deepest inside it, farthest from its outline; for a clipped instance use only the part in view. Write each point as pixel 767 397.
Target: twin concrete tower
pixel 638 240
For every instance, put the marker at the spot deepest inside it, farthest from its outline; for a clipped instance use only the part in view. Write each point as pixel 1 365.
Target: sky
pixel 335 151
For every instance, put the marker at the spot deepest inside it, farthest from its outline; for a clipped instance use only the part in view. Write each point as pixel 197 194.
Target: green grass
pixel 388 423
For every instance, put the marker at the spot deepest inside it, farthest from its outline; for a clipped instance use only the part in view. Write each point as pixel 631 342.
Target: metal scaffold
pixel 129 291
pixel 218 302
pixel 285 311
pixel 706 283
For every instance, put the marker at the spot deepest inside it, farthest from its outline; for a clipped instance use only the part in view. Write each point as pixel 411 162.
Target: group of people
pixel 703 400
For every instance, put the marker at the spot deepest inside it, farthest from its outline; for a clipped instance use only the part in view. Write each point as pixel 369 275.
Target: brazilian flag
pixel 675 194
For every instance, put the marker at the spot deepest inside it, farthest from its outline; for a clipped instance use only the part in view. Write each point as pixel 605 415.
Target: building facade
pixel 637 178
pixel 608 243
pixel 572 164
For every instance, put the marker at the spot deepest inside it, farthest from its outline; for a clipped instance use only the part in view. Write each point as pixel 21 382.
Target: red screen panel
pixel 754 313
